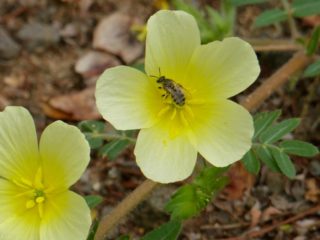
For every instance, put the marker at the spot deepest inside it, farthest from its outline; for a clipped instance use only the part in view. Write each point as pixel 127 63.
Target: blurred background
pixel 51 53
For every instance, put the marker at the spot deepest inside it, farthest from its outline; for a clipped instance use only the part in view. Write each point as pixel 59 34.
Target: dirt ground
pixel 51 53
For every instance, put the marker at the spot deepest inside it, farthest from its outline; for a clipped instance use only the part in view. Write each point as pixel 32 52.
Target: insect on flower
pixel 171 88
pixel 186 110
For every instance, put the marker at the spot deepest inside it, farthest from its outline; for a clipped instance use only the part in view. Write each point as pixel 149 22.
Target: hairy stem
pixel 296 63
pixel 275 45
pixel 130 202
pixel 292 24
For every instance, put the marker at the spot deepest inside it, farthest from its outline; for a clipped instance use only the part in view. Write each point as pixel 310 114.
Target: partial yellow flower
pixel 35 203
pixel 181 102
pixel 161 4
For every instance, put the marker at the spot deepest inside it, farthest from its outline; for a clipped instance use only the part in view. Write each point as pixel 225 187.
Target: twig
pixel 292 24
pixel 296 63
pixel 267 229
pixel 278 48
pixel 225 227
pixel 130 202
pixel 276 45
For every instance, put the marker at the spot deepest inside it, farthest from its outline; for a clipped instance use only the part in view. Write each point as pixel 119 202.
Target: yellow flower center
pixel 34 193
pixel 178 104
pixel 37 198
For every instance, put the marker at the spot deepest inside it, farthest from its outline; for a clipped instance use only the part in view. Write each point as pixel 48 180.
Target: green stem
pixel 114 136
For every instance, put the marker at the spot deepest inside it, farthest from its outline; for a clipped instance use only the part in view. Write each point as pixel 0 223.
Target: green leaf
pixel 114 148
pixel 190 199
pixel 215 18
pixel 251 163
pixel 221 23
pixel 312 70
pixel 91 126
pixel 168 231
pixel 246 2
pixel 94 141
pixel 196 13
pixel 93 200
pixel 269 17
pixel 264 154
pixel 284 162
pixel 138 66
pixel 299 148
pixel 210 179
pixel 184 203
pixel 302 8
pixel 206 31
pixel 277 131
pixel 93 230
pixel 263 120
pixel 314 41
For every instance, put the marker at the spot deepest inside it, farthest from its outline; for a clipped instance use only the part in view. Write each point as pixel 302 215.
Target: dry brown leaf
pixel 313 192
pixel 255 214
pixel 113 35
pixel 269 212
pixel 75 106
pixel 312 20
pixel 93 63
pixel 239 181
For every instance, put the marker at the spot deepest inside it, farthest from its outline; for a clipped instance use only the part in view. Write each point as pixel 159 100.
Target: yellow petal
pixel 127 98
pixel 19 157
pixel 66 216
pixel 163 158
pixel 65 153
pixel 222 131
pixel 16 221
pixel 172 37
pixel 12 200
pixel 222 69
pixel 25 226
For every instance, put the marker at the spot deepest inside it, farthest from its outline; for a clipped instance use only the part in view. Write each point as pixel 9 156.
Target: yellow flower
pixel 181 102
pixel 35 203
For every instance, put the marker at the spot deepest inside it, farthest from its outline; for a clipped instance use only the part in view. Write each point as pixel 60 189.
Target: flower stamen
pixel 189 111
pixel 183 119
pixel 174 113
pixel 163 111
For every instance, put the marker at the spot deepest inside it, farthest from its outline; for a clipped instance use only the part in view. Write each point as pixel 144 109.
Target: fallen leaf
pixel 313 21
pixel 75 106
pixel 93 63
pixel 269 212
pixel 113 35
pixel 239 181
pixel 36 34
pixel 255 214
pixel 313 192
pixel 15 80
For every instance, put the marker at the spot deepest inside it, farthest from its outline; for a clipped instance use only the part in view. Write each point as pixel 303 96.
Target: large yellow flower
pixel 35 203
pixel 181 102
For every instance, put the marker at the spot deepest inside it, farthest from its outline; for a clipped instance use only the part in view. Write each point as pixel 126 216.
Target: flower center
pixel 34 192
pixel 37 198
pixel 177 112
